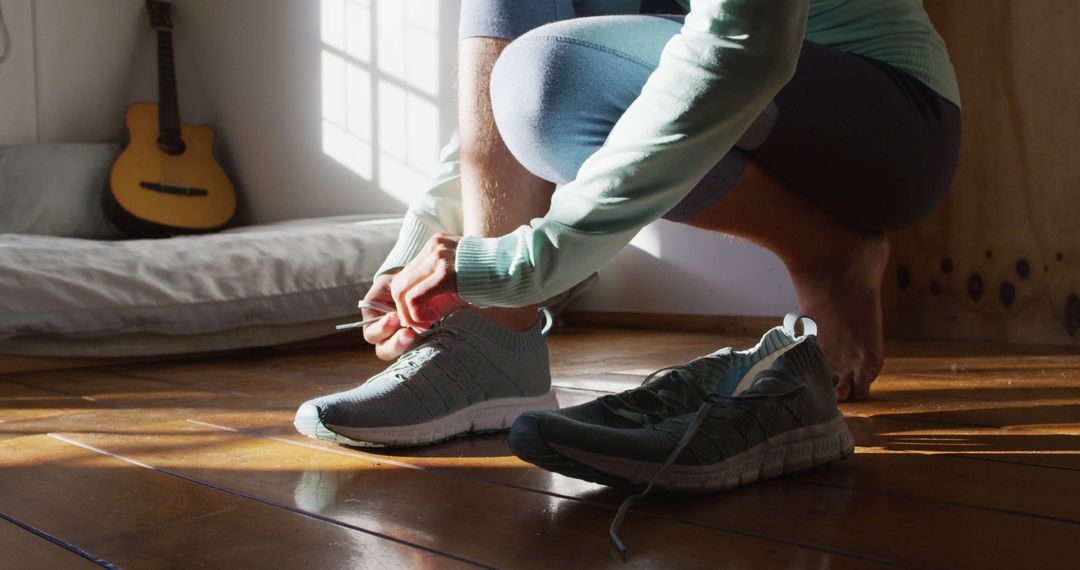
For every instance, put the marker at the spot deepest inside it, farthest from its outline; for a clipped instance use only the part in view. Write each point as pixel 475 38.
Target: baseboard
pixel 715 324
pixel 13 364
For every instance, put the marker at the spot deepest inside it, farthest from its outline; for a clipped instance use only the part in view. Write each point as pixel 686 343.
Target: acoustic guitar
pixel 166 181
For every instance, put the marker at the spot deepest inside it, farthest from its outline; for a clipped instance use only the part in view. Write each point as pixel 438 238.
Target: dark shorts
pixel 869 143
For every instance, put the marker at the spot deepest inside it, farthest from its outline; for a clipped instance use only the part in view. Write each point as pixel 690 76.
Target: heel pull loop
pixel 808 325
pixel 550 321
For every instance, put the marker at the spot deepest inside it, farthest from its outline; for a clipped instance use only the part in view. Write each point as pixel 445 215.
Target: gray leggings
pixel 867 142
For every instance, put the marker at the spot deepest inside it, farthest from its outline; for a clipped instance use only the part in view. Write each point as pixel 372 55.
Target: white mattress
pixel 287 280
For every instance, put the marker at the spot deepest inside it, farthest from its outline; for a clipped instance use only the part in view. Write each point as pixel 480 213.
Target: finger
pixel 412 306
pixel 380 289
pixel 378 298
pixel 420 300
pixel 382 329
pixel 426 276
pixel 403 282
pixel 396 345
pixel 866 377
pixel 862 387
pixel 379 293
pixel 842 386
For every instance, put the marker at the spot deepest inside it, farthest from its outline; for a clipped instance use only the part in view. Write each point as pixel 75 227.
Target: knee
pixel 536 103
pixel 917 203
pixel 894 204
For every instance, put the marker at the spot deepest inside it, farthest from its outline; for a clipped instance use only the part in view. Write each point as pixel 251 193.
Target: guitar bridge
pixel 173 189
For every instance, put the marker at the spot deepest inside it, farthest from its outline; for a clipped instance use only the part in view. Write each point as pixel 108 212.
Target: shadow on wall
pixel 381 89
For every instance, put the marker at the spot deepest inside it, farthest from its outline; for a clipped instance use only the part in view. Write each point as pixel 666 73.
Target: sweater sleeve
pixel 714 78
pixel 437 211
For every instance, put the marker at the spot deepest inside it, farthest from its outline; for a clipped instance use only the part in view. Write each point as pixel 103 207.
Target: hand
pixel 390 338
pixel 426 289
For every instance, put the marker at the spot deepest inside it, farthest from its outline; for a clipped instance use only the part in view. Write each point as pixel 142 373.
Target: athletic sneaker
pixel 723 420
pixel 465 375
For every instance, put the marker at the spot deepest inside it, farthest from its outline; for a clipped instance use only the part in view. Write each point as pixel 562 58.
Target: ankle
pixel 518 319
pixel 852 253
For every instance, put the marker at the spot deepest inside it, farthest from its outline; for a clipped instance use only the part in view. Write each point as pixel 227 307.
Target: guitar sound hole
pixel 172 145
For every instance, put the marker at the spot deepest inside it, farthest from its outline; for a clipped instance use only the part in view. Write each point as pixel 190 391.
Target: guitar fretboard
pixel 169 100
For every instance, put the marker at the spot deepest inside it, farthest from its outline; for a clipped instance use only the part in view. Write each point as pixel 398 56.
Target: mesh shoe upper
pixel 695 417
pixel 463 360
pixel 627 421
pixel 794 392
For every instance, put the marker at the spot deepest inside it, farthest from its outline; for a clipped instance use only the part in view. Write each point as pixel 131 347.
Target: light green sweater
pixel 730 59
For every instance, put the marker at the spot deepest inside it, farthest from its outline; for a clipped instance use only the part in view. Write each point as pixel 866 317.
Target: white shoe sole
pixel 489 416
pixel 790 452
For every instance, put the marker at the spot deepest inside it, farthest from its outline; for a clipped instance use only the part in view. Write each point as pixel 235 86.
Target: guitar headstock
pixel 160 14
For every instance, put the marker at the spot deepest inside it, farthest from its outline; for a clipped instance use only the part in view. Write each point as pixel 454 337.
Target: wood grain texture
pixel 136 517
pixel 22 548
pixel 963 458
pixel 373 492
pixel 1000 259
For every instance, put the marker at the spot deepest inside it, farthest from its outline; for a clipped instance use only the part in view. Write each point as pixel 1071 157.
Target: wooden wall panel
pixel 1000 260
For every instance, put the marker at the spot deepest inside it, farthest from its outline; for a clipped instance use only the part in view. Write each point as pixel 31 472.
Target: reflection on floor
pixel 968 457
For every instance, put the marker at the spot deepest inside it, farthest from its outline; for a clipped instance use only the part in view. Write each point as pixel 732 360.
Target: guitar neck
pixel 169 100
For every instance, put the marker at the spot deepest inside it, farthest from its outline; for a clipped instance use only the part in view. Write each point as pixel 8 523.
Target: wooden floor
pixel 968 457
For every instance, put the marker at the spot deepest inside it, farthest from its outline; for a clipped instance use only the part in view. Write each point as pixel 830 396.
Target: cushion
pixel 281 274
pixel 56 190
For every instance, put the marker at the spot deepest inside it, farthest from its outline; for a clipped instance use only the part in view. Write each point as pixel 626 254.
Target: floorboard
pixel 26 548
pixel 964 455
pixel 133 516
pixel 22 403
pixel 920 517
pixel 373 493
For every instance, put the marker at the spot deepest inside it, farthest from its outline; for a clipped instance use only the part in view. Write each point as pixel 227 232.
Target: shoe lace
pixel 673 401
pixel 426 342
pixel 654 401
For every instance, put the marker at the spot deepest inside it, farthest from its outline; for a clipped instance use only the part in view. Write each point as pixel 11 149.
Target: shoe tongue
pixel 740 378
pixel 786 372
pixel 769 383
pixel 776 338
pixel 715 368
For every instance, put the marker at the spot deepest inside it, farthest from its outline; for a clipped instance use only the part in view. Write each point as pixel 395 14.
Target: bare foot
pixel 843 294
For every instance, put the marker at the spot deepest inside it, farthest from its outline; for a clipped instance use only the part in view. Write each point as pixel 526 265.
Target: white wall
pixel 255 70
pixel 74 68
pixel 261 63
pixel 675 269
